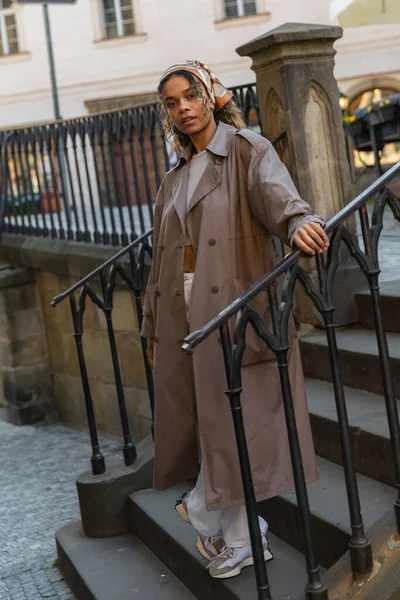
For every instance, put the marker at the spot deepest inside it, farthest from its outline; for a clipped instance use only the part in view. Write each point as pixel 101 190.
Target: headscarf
pixel 218 94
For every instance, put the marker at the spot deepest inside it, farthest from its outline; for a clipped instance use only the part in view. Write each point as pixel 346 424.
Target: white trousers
pixel 230 522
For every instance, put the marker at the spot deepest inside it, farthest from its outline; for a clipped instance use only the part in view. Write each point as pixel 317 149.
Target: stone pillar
pixel 23 353
pixel 299 95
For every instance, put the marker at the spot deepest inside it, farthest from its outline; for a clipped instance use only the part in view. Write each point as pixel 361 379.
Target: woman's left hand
pixel 311 239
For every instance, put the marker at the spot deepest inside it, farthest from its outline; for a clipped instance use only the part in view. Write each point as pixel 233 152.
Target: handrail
pixel 60 297
pixel 196 337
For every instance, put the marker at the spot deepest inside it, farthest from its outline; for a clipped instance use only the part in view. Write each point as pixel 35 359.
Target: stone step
pixel 368 424
pixel 154 520
pixel 330 512
pixel 359 358
pixel 115 568
pixel 390 295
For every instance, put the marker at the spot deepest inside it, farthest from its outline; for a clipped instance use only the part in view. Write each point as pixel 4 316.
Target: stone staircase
pixel 158 558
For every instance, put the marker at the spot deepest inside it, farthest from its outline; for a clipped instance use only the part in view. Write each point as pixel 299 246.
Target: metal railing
pixel 322 296
pixel 133 275
pixel 92 179
pixel 132 272
pixel 129 265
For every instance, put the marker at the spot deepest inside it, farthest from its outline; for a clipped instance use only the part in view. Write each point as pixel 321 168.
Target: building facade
pixel 110 53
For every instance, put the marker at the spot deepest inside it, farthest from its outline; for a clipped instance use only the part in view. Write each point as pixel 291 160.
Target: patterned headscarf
pixel 218 94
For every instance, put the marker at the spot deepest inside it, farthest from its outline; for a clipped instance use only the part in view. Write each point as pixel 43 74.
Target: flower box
pixel 390 131
pixel 382 114
pixel 359 131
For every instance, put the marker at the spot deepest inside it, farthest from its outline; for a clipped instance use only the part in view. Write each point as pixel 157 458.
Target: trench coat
pixel 244 200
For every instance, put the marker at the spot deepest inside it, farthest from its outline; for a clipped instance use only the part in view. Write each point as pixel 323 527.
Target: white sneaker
pixel 208 546
pixel 231 561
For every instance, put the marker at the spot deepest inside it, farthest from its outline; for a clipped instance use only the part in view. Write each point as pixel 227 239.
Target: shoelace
pixel 226 552
pixel 212 539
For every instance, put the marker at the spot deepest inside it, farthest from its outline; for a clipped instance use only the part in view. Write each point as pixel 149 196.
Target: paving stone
pixel 38 469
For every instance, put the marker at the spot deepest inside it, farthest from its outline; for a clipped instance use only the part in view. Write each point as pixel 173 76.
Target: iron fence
pixel 237 317
pixel 322 296
pixel 92 179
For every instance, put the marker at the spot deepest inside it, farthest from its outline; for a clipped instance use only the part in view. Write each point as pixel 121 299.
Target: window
pixel 118 19
pixel 8 29
pixel 239 8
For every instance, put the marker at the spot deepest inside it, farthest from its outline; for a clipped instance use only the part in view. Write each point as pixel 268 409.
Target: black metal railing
pixel 128 265
pixel 322 296
pixel 92 179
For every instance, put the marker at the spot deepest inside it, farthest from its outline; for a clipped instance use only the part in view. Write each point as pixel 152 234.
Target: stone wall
pixel 53 266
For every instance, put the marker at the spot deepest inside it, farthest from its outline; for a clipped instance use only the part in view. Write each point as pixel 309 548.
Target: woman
pixel 216 214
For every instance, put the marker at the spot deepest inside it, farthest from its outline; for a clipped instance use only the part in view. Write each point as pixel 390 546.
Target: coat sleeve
pixel 273 197
pixel 148 325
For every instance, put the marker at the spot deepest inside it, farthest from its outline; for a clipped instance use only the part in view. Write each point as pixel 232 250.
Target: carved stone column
pixel 298 94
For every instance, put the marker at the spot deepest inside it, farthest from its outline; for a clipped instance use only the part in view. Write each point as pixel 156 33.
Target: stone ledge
pixel 15 277
pixel 120 568
pixel 62 257
pixel 103 499
pixel 291 33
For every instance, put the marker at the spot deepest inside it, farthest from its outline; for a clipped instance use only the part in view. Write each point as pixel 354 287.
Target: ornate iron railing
pixel 132 273
pixel 322 296
pixel 92 179
pixel 129 266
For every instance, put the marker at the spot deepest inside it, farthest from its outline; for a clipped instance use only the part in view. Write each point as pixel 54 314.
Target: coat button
pixel 212 242
pixel 214 289
pixel 219 341
pixel 156 340
pixel 158 293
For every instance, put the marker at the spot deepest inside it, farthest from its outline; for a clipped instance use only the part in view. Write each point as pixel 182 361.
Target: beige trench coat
pixel 244 197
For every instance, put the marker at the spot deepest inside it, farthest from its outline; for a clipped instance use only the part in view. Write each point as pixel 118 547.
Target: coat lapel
pixel 179 191
pixel 212 176
pixel 210 179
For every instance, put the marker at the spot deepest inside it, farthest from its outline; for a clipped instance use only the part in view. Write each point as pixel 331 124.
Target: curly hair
pixel 229 114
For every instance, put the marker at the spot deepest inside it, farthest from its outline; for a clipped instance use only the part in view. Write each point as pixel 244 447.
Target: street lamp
pixel 50 52
pixel 53 80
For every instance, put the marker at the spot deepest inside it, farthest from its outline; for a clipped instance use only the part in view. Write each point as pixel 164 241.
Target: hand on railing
pixel 311 239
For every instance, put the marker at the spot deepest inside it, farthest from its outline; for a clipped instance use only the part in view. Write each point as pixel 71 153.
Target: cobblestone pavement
pixel 38 468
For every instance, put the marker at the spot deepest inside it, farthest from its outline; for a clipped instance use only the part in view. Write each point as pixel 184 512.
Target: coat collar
pixel 219 145
pixel 212 176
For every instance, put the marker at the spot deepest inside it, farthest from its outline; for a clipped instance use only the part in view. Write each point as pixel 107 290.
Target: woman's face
pixel 190 112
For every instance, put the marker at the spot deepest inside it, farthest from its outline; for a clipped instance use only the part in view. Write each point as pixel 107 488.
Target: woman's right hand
pixel 150 352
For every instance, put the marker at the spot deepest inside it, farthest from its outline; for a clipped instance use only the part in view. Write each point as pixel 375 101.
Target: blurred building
pixel 110 53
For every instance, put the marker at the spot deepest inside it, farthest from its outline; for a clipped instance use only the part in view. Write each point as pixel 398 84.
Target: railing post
pixel 372 274
pixel 129 449
pixel 97 459
pixel 315 588
pixel 360 546
pixel 234 384
pixel 388 385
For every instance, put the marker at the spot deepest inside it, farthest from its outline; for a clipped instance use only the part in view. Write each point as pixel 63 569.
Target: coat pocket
pixel 256 350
